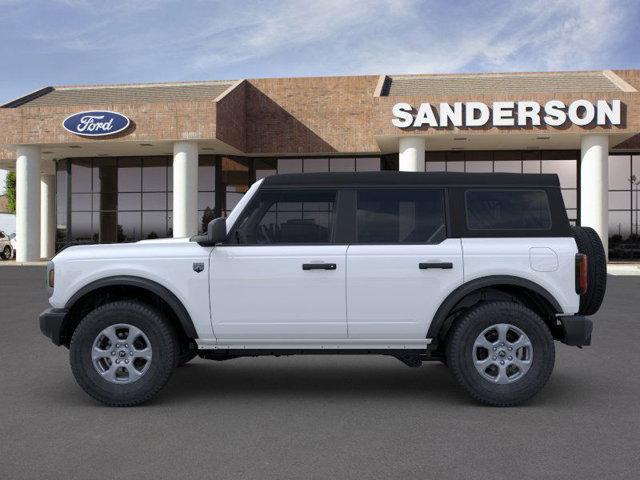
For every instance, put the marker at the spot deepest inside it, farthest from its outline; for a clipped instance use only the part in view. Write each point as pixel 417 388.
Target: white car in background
pixel 14 243
pixel 7 245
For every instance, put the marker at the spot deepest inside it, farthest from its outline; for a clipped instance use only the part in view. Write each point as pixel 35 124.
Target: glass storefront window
pixel 624 206
pixel 81 175
pixel 565 169
pixel 154 201
pixel 368 164
pixel 316 165
pixel 129 174
pixel 154 225
pixel 289 165
pixel 234 182
pixel 531 166
pixel 61 203
pixel 436 166
pixel 129 226
pixel 265 167
pixel 478 166
pixel 507 166
pixel 455 166
pixel 339 164
pixel 154 174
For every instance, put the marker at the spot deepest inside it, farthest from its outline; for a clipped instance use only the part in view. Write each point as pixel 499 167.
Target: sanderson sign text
pixel 507 114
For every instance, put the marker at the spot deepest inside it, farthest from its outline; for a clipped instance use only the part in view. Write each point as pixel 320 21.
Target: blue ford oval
pixel 96 123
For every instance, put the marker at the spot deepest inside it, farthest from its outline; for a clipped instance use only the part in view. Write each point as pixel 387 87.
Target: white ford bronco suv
pixel 479 271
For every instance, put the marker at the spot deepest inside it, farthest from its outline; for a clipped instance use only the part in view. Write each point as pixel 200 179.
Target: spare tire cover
pixel 589 243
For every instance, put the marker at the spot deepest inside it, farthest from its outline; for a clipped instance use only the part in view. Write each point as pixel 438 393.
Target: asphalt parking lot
pixel 318 417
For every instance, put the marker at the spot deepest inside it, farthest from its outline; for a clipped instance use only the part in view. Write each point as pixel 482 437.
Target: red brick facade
pixel 288 116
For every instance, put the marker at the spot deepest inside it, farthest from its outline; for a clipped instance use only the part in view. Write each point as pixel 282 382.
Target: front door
pixel 402 265
pixel 280 275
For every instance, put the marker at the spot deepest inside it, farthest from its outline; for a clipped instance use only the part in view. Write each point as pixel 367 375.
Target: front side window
pixel 494 209
pixel 288 217
pixel 400 216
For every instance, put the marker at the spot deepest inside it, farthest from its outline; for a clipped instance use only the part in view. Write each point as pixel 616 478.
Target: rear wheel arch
pixel 126 287
pixel 492 288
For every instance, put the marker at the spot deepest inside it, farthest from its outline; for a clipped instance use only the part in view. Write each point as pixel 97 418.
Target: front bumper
pixel 576 330
pixel 51 323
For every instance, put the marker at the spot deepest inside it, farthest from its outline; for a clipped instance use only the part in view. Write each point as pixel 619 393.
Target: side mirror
pixel 217 230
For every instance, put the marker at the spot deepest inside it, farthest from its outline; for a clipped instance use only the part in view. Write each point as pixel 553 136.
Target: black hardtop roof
pixel 391 178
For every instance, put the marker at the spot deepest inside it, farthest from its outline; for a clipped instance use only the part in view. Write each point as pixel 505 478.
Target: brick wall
pixel 313 115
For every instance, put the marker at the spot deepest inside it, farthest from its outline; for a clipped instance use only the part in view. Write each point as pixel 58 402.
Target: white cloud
pixel 200 39
pixel 541 35
pixel 290 25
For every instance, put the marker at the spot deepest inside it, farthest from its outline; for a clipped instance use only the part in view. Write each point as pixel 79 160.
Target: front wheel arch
pixel 124 287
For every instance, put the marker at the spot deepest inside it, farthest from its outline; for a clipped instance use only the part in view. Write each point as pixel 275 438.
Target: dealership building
pixel 121 163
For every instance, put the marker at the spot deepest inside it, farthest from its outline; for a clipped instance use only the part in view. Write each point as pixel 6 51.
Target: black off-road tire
pixel 589 243
pixel 163 342
pixel 460 345
pixel 7 254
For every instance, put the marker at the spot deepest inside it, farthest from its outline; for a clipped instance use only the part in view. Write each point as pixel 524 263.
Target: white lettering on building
pixel 88 123
pixel 554 113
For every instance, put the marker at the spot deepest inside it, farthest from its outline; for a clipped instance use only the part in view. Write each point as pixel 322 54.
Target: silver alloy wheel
pixel 502 353
pixel 121 353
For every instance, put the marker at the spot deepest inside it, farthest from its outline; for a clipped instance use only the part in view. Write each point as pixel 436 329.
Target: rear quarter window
pixel 507 209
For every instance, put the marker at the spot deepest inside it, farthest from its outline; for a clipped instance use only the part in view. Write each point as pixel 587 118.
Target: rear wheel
pixel 6 253
pixel 123 353
pixel 589 243
pixel 501 353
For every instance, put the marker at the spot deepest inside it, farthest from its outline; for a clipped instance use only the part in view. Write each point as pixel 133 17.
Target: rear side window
pixel 288 217
pixel 400 216
pixel 502 209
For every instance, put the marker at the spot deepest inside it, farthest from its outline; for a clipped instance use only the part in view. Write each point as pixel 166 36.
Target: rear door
pixel 402 265
pixel 282 276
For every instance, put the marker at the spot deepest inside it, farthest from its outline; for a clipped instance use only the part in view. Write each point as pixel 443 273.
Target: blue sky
pixel 70 42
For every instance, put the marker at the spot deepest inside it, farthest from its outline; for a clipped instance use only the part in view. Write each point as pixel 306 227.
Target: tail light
pixel 581 274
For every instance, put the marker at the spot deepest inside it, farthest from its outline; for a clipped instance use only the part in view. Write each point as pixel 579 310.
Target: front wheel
pixel 123 353
pixel 501 353
pixel 6 253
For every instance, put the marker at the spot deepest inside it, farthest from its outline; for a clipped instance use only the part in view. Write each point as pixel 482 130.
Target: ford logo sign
pixel 96 124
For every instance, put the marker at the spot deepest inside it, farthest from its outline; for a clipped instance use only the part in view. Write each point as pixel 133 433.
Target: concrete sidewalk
pixel 623 268
pixel 13 263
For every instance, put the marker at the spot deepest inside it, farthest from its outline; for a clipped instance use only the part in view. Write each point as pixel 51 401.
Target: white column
pixel 47 215
pixel 594 185
pixel 185 189
pixel 28 203
pixel 411 154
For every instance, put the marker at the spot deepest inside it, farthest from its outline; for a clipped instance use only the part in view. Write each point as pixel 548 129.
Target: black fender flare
pixel 128 280
pixel 483 282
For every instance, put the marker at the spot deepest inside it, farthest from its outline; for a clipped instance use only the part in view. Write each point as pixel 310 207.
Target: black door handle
pixel 319 266
pixel 443 265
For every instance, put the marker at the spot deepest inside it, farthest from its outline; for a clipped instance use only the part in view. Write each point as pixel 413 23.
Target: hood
pixel 165 240
pixel 157 248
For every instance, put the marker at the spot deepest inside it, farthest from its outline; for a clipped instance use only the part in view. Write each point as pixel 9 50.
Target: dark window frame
pixel 503 190
pixel 560 226
pixel 445 214
pixel 232 236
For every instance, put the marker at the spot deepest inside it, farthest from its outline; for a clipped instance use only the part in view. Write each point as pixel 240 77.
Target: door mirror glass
pixel 217 230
